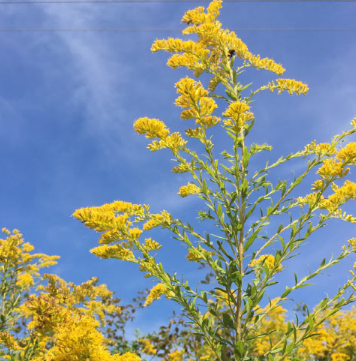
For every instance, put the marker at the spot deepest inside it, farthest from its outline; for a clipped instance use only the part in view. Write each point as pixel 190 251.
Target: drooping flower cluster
pixel 156 292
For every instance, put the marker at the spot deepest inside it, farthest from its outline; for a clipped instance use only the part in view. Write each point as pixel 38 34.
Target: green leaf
pixel 239 349
pixel 227 321
pixel 250 240
pixel 245 157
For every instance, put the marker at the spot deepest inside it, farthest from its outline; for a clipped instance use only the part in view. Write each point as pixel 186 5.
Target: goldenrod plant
pixel 44 318
pixel 251 211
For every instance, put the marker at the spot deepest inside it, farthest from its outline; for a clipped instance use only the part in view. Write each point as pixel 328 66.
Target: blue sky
pixel 68 101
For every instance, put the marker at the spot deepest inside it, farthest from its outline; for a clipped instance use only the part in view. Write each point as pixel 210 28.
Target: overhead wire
pixel 126 30
pixel 17 2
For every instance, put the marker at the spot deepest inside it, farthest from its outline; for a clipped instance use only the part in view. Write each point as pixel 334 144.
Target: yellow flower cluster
pixel 148 348
pixel 352 243
pixel 15 253
pixel 8 341
pixel 214 46
pixel 195 102
pixel 156 292
pixel 176 355
pixel 189 189
pixel 239 114
pixel 153 128
pixel 332 168
pixel 334 340
pixel 291 85
pixel 266 259
pixel 274 325
pixel 265 63
pixel 340 196
pixel 319 149
pixel 174 142
pixel 67 316
pixel 184 166
pixel 117 251
pixel 348 153
pixel 157 220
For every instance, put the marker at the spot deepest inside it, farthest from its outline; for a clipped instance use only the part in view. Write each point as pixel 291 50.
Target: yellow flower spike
pixel 134 233
pixel 128 356
pixel 148 348
pixel 8 341
pixel 176 355
pixel 353 122
pixel 332 168
pixel 195 16
pixel 317 185
pixel 265 63
pixel 182 167
pixel 319 149
pixel 189 189
pixel 152 128
pixel 156 292
pixel 190 90
pixel 115 251
pixel 290 85
pixel 235 109
pixel 151 245
pixel 157 220
pixel 348 153
pixel 175 142
pixel 25 280
pixel 352 243
pixel 194 133
pixel 267 259
pixel 214 9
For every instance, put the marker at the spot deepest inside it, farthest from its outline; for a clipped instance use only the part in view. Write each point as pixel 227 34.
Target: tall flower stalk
pixel 244 205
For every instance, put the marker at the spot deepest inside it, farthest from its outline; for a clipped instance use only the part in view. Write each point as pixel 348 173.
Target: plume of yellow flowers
pixel 156 292
pixel 148 348
pixel 290 85
pixel 189 189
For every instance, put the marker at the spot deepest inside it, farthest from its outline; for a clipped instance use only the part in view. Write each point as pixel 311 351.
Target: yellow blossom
pixel 265 63
pixel 153 128
pixel 266 259
pixel 151 245
pixel 148 348
pixel 319 149
pixel 348 153
pixel 128 356
pixel 332 168
pixel 189 189
pixel 176 355
pixel 291 85
pixel 182 167
pixel 235 109
pixel 157 219
pixel 194 133
pixel 25 280
pixel 8 341
pixel 174 142
pixel 352 243
pixel 114 251
pixel 156 292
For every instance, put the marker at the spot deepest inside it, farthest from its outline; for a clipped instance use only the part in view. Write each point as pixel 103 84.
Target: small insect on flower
pixel 232 53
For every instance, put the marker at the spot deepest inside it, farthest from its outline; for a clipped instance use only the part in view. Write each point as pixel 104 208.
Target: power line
pixel 14 2
pixel 127 30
